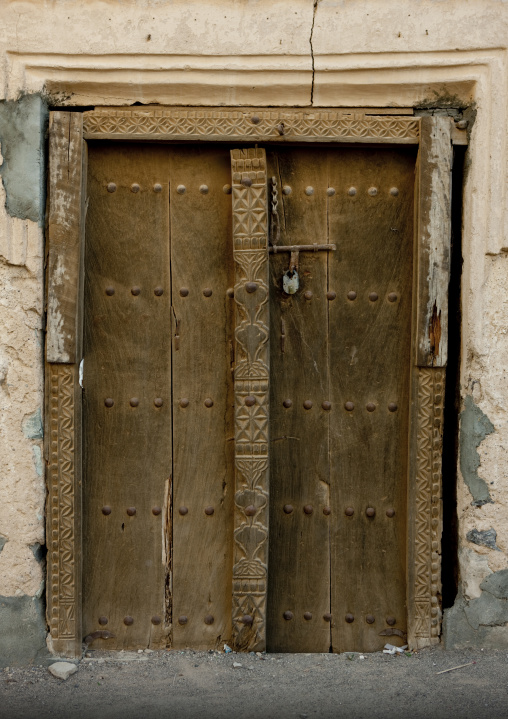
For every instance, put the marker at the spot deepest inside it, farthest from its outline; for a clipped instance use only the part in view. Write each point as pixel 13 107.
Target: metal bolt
pixel 157 187
pixel 349 618
pixel 351 295
pixel 307 404
pixel 109 402
pixel 183 511
pixel 327 617
pixel 226 189
pixel 250 401
pixel 246 181
pixel 390 621
pixel 287 403
pixel 103 621
pixel 184 291
pixel 308 509
pixel 326 405
pixel 134 187
pixel 370 406
pixel 372 191
pixel 250 511
pixel 309 190
pixel 286 190
pixel 230 292
pixel 106 510
pixel 327 511
pixel 330 191
pixel 255 120
pixel 131 511
pixel 331 295
pixel 392 407
pixel 390 512
pixel 158 291
pixel 207 292
pixel 158 401
pixel 352 191
pixel 349 406
pixel 135 291
pixel 208 402
pixel 349 511
pixel 180 189
pixel 110 291
pixel 203 189
pixel 392 297
pixel 288 615
pixel 209 511
pixel 251 287
pixel 288 508
pixel 111 187
pixel 128 621
pixel 394 191
pixel 369 619
pixel 247 619
pixel 156 511
pixel 370 512
pixel 307 295
pixel 134 402
pixel 156 620
pixel 373 296
pixel 182 619
pixel 209 619
pixel 307 616
pixel 184 402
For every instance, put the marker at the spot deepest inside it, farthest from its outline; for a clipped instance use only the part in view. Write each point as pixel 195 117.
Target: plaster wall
pixel 341 53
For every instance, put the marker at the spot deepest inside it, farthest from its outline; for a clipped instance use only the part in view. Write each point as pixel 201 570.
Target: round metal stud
pixel 327 617
pixel 391 621
pixel 307 616
pixel 390 512
pixel 134 402
pixel 157 187
pixel 288 508
pixel 349 511
pixel 250 511
pixel 307 295
pixel 308 509
pixel 372 191
pixel 373 296
pixel 226 189
pixel 394 191
pixel 326 405
pixel 309 190
pixel 109 402
pixel 209 511
pixel 370 512
pixel 131 511
pixel 182 619
pixel 331 295
pixel 103 621
pixel 184 291
pixel 288 615
pixel 352 191
pixel 230 292
pixel 106 510
pixel 207 292
pixel 183 511
pixel 136 291
pixel 158 401
pixel 246 181
pixel 392 297
pixel 286 190
pixel 184 402
pixel 209 619
pixel 370 406
pixel 349 406
pixel 255 120
pixel 208 402
pixel 135 187
pixel 327 511
pixel 351 295
pixel 158 291
pixel 156 620
pixel 247 619
pixel 156 511
pixel 111 187
pixel 110 291
pixel 349 618
pixel 330 191
pixel 203 189
pixel 128 621
pixel 287 403
pixel 250 401
pixel 369 619
pixel 251 287
pixel 392 407
pixel 180 189
pixel 307 404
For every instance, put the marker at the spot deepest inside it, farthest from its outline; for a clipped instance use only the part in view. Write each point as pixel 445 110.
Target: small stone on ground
pixel 62 670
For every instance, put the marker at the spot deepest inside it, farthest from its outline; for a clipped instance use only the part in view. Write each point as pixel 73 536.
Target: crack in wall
pixel 315 7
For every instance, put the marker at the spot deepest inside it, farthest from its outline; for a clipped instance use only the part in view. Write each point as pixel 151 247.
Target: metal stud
pixel 327 617
pixel 392 297
pixel 307 616
pixel 307 295
pixel 326 405
pixel 110 291
pixel 307 404
pixel 351 295
pixel 208 402
pixel 184 402
pixel 156 511
pixel 349 406
pixel 330 191
pixel 288 508
pixel 135 187
pixel 372 191
pixel 373 296
pixel 370 406
pixel 308 509
pixel 352 191
pixel 369 619
pixel 247 619
pixel 246 182
pixel 251 287
pixel 255 120
pixel 207 292
pixel 209 619
pixel 370 512
pixel 158 291
pixel 250 511
pixel 134 402
pixel 183 511
pixel 128 621
pixel 226 189
pixel 287 403
pixel 184 291
pixel 331 295
pixel 250 401
pixel 286 190
pixel 180 189
pixel 391 621
pixel 230 292
pixel 135 291
pixel 349 618
pixel 109 402
pixel 394 191
pixel 309 190
pixel 209 511
pixel 103 621
pixel 349 511
pixel 156 620
pixel 157 187
pixel 111 187
pixel 182 619
pixel 158 401
pixel 392 407
pixel 203 189
pixel 106 510
pixel 390 512
pixel 288 615
pixel 131 511
pixel 327 511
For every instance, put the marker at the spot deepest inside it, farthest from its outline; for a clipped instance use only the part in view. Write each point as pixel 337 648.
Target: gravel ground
pixel 174 684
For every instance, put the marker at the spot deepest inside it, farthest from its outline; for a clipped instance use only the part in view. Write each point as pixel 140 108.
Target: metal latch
pixel 290 278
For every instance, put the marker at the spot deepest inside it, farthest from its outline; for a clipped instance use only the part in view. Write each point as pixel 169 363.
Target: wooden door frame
pixel 68 136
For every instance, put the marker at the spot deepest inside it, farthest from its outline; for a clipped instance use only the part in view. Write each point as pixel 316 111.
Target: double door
pixel 169 517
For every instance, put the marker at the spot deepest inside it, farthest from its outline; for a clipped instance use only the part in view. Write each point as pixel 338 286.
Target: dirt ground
pixel 174 684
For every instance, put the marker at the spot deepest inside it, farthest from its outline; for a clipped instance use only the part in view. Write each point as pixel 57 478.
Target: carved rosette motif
pixel 62 593
pixel 250 250
pixel 254 124
pixel 428 518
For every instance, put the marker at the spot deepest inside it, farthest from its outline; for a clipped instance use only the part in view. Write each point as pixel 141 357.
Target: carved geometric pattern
pixel 257 124
pixel 250 250
pixel 62 592
pixel 428 503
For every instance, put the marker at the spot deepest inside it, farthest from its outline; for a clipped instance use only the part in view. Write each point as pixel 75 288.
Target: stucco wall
pixel 258 52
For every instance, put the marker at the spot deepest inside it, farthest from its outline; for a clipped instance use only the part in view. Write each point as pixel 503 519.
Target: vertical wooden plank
pixel 299 566
pixel 127 397
pixel 251 377
pixel 371 221
pixel 203 477
pixel 434 236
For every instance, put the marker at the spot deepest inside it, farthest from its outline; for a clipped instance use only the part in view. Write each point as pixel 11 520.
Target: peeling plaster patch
pixel 32 425
pixel 22 135
pixel 496 584
pixel 3 542
pixel 37 454
pixel 38 551
pixel 474 427
pixel 22 631
pixel 487 538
